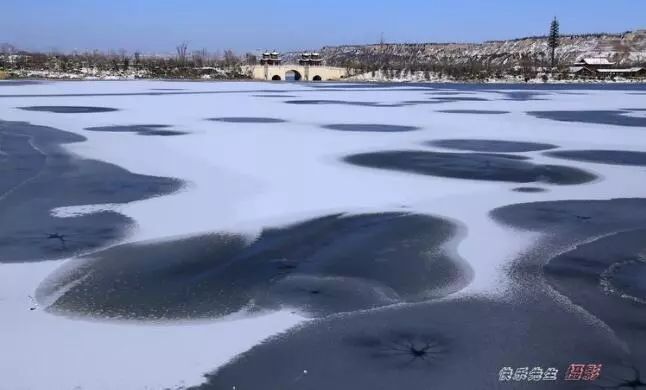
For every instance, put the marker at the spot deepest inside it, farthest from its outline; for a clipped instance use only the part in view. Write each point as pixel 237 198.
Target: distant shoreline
pixel 533 82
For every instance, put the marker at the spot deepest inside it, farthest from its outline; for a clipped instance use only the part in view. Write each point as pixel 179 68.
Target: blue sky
pixel 247 25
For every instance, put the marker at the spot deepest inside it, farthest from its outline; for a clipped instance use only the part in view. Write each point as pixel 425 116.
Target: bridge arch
pixel 293 75
pixel 276 77
pixel 316 78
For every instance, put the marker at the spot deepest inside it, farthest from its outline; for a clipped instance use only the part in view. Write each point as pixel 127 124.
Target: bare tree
pixel 200 57
pixel 230 58
pixel 181 52
pixel 527 66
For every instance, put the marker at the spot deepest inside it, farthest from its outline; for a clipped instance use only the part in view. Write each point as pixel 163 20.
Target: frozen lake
pixel 245 235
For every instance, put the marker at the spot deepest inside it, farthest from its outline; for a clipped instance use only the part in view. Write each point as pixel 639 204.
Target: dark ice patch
pixel 128 128
pixel 149 129
pixel 597 117
pixel 448 93
pixel 353 85
pixel 529 190
pixel 461 99
pixel 627 279
pixel 68 109
pixel 579 217
pixel 522 96
pixel 621 377
pixel 493 146
pixel 324 101
pixel 369 127
pixel 163 133
pixel 613 157
pixel 275 96
pixel 606 278
pixel 343 102
pixel 380 86
pixel 475 166
pixel 385 89
pixel 38 175
pixel 611 265
pixel 404 346
pixel 481 112
pixel 591 251
pixel 419 102
pixel 249 119
pixel 322 266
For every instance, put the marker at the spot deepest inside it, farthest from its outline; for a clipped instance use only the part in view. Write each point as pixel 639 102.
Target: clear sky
pixel 247 25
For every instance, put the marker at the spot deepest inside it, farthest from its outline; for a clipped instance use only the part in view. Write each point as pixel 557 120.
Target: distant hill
pixel 627 49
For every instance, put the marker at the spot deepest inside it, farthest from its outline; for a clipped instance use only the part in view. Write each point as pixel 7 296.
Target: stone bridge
pixel 298 72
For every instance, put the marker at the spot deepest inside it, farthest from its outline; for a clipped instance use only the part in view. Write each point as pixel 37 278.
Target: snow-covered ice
pixel 242 177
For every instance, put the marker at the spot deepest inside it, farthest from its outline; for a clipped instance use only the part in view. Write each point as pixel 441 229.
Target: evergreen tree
pixel 553 40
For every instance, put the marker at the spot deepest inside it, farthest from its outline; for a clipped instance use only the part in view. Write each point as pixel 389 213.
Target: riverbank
pixel 379 77
pixel 434 77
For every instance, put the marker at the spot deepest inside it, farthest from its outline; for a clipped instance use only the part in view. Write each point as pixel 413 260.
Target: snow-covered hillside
pixel 628 48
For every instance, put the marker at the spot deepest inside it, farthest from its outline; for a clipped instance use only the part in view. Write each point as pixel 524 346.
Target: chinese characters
pixel 575 372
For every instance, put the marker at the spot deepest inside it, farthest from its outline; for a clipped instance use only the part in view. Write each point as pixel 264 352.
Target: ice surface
pixel 245 176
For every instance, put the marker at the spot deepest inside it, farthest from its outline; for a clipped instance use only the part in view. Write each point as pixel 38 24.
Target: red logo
pixel 592 372
pixel 586 372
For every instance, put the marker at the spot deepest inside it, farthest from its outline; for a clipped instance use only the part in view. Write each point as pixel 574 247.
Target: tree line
pixel 184 64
